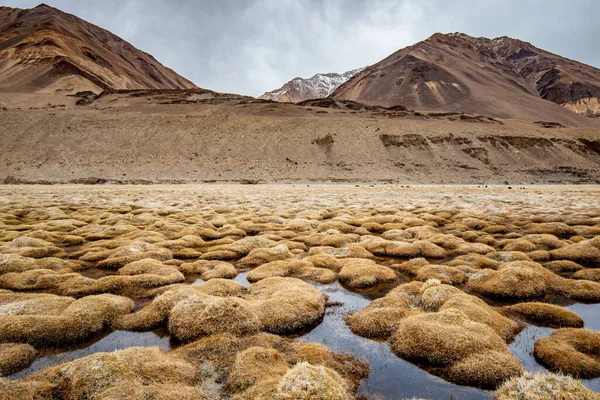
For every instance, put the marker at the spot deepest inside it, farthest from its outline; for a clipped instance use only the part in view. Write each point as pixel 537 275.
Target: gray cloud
pixel 251 46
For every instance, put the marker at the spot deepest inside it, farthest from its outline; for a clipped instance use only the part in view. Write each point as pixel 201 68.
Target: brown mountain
pixel 500 77
pixel 44 50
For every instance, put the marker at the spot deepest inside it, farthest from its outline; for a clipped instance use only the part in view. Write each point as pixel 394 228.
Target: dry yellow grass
pixel 134 373
pixel 587 274
pixel 513 280
pixel 542 386
pixel 14 357
pixel 571 351
pixel 198 316
pixel 292 268
pixel 209 269
pixel 543 314
pixel 253 365
pixel 262 256
pixel 286 305
pixel 78 321
pixel 449 339
pixel 360 273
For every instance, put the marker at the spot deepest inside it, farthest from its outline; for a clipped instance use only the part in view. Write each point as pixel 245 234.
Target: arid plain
pixel 299 291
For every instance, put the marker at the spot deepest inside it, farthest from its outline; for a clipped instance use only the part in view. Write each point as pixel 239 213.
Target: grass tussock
pixel 14 357
pixel 134 373
pixel 466 350
pixel 544 386
pixel 292 268
pixel 199 316
pixel 360 273
pixel 383 316
pixel 262 256
pixel 350 251
pixel 513 280
pixel 543 314
pixel 571 351
pixel 209 269
pixel 286 305
pixel 587 274
pixel 255 365
pixel 78 321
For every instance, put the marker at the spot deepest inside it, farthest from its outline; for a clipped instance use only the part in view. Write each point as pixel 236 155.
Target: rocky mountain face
pixel 500 77
pixel 44 50
pixel 300 89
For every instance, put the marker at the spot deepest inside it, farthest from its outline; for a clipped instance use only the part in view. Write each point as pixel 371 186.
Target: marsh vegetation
pixel 298 292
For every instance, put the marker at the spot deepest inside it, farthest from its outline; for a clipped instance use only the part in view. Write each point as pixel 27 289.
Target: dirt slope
pixel 44 50
pixel 196 135
pixel 501 77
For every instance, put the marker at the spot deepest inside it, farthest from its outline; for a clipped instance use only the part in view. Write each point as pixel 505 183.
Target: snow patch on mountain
pixel 318 86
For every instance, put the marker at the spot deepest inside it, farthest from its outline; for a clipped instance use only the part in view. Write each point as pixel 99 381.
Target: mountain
pixel 44 50
pixel 501 77
pixel 300 89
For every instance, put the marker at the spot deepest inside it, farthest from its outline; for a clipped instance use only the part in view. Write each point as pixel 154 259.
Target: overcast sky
pixel 253 46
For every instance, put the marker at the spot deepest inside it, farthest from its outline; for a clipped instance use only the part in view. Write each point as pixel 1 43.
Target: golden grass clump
pixel 383 316
pixel 32 303
pixel 571 351
pixel 507 256
pixel 376 321
pixel 261 256
pixel 579 289
pixel 255 365
pixel 522 245
pixel 557 229
pixel 157 312
pixel 331 238
pixel 306 381
pixel 487 369
pixel 209 269
pixel 238 249
pixel 286 305
pixel 31 247
pixel 359 273
pixel 350 251
pixel 544 386
pixel 292 268
pixel 477 310
pixel 325 261
pixel 444 273
pixel 545 241
pixel 466 350
pixel 583 252
pixel 15 357
pixel 474 260
pixel 587 274
pixel 120 253
pixel 563 266
pixel 198 316
pixel 543 314
pixel 418 248
pixel 78 321
pixel 513 280
pixel 133 373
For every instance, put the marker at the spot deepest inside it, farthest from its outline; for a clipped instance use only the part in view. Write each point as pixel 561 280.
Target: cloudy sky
pixel 252 46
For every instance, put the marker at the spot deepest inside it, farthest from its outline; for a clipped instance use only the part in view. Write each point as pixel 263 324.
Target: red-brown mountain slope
pixel 500 77
pixel 44 50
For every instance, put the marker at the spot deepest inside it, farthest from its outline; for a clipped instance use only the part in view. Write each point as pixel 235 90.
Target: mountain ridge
pixel 501 77
pixel 45 50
